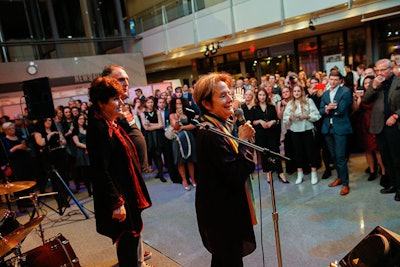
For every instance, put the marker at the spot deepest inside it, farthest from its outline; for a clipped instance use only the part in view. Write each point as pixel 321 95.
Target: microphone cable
pixel 260 207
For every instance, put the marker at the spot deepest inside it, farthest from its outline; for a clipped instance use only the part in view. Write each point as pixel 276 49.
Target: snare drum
pixel 8 222
pixel 55 252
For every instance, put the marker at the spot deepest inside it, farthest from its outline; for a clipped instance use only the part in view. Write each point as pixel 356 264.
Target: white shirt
pixel 297 125
pixel 332 93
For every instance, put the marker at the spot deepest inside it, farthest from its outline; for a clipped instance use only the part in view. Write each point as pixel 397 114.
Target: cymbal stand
pixel 35 199
pixel 275 216
pixel 15 261
pixel 7 185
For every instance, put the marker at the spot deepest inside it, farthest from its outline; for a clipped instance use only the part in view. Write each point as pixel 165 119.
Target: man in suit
pixel 334 109
pixel 384 92
pixel 129 125
pixel 139 94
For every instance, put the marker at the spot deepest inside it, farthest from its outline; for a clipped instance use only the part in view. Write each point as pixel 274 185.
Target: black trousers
pixel 127 248
pixel 388 142
pixel 231 261
pixel 304 149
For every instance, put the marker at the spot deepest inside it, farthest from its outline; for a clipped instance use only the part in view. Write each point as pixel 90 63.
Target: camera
pixel 292 78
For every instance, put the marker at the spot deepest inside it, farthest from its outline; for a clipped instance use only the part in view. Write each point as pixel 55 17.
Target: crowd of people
pixel 311 118
pixel 293 112
pixel 314 118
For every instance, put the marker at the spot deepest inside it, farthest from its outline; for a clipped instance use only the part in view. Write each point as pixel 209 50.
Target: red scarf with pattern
pixel 131 155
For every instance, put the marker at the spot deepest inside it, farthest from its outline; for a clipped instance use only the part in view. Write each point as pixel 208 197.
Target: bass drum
pixel 56 252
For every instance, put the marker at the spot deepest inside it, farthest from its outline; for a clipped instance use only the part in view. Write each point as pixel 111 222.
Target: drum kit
pixel 56 251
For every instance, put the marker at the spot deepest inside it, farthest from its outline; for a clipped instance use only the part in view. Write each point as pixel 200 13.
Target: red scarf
pixel 131 155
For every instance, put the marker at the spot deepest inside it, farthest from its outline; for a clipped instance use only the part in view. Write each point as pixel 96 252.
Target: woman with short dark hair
pixel 119 192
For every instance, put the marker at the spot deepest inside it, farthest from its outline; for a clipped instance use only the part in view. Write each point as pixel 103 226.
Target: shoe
pixel 388 190
pixel 193 184
pixel 397 197
pixel 300 177
pixel 187 188
pixel 147 255
pixel 283 181
pixel 345 190
pixel 161 177
pixel 337 182
pixel 327 173
pixel 372 176
pixel 367 170
pixel 314 178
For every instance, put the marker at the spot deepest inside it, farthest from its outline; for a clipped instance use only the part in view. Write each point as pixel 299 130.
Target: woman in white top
pixel 300 115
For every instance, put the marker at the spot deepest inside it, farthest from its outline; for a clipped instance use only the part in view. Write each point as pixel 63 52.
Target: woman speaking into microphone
pixel 223 210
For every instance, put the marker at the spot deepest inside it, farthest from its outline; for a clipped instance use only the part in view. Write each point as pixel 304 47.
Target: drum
pixel 8 222
pixel 55 252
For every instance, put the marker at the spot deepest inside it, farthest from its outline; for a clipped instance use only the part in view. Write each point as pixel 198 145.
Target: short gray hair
pixel 7 124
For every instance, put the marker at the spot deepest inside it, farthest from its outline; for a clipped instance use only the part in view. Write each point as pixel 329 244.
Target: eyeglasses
pixel 381 70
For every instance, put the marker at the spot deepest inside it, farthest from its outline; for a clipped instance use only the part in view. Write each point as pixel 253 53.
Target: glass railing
pixel 167 11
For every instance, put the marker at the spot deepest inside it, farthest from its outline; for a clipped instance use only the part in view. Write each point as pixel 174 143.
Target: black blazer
pixel 112 180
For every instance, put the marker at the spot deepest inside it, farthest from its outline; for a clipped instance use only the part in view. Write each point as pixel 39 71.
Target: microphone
pixel 240 119
pixel 239 114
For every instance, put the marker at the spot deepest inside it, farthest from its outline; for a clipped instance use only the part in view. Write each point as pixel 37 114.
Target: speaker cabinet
pixel 380 248
pixel 38 97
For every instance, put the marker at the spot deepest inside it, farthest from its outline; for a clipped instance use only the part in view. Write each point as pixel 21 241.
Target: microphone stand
pixel 275 216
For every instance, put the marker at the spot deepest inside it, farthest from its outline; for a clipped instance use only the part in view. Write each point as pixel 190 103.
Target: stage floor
pixel 316 224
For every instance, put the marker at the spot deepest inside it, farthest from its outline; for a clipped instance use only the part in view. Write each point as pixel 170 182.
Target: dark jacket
pixel 112 180
pixel 222 209
pixel 340 116
pixel 378 119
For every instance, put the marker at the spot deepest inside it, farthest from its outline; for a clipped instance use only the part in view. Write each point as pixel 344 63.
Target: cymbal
pixel 11 187
pixel 11 240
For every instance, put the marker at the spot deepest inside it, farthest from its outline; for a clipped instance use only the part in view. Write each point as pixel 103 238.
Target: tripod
pixel 63 193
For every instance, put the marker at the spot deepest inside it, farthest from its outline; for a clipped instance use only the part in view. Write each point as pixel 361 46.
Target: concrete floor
pixel 316 225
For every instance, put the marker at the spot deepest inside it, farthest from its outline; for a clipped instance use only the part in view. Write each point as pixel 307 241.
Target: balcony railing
pixel 168 11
